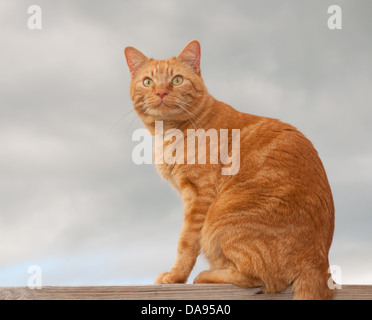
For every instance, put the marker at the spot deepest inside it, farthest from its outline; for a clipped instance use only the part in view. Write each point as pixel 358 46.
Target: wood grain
pixel 167 292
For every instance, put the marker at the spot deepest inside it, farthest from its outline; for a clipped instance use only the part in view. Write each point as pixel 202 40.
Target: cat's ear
pixel 191 55
pixel 135 59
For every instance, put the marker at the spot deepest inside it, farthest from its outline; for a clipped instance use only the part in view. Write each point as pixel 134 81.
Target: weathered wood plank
pixel 167 292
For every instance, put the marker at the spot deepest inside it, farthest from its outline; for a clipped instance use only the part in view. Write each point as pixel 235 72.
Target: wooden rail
pixel 167 292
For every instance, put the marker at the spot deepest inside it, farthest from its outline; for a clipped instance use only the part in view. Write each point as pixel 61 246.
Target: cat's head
pixel 171 89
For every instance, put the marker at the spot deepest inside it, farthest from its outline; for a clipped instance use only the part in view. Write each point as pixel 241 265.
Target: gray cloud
pixel 71 199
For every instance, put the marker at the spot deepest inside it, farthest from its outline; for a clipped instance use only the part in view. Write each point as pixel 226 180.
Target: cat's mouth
pixel 165 108
pixel 160 109
pixel 162 103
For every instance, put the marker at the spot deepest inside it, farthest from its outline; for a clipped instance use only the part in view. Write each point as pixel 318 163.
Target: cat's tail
pixel 313 285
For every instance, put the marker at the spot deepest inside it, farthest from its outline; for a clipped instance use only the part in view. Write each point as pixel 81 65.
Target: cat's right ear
pixel 135 59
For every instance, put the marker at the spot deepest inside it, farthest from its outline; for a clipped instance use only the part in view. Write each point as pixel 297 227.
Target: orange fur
pixel 272 223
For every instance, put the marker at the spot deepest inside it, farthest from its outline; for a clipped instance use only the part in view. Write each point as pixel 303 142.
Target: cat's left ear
pixel 191 55
pixel 135 59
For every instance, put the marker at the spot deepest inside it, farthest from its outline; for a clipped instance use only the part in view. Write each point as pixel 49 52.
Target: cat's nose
pixel 162 93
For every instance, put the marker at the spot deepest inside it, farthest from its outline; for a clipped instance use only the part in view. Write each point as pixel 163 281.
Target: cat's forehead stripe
pixel 153 72
pixel 162 67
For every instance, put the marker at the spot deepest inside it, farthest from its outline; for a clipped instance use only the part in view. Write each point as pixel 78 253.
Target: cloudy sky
pixel 72 201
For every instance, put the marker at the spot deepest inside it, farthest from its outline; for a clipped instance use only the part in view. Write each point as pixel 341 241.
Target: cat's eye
pixel 177 80
pixel 148 82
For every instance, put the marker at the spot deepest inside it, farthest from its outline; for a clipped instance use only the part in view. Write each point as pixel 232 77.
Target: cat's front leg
pixel 188 249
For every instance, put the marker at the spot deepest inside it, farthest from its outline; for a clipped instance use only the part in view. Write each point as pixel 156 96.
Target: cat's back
pixel 267 138
pixel 275 155
pixel 280 145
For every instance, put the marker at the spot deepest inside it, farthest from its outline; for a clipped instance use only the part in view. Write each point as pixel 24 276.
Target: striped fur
pixel 270 225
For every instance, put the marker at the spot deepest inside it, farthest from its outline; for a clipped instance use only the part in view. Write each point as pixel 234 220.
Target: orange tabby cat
pixel 271 224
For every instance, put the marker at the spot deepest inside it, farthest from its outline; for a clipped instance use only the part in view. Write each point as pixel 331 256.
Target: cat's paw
pixel 202 277
pixel 168 278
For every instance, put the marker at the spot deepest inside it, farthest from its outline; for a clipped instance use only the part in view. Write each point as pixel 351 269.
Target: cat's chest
pixel 166 164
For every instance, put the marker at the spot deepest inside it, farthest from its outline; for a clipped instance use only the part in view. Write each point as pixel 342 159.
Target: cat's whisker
pixel 193 123
pixel 190 119
pixel 193 106
pixel 118 121
pixel 194 116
